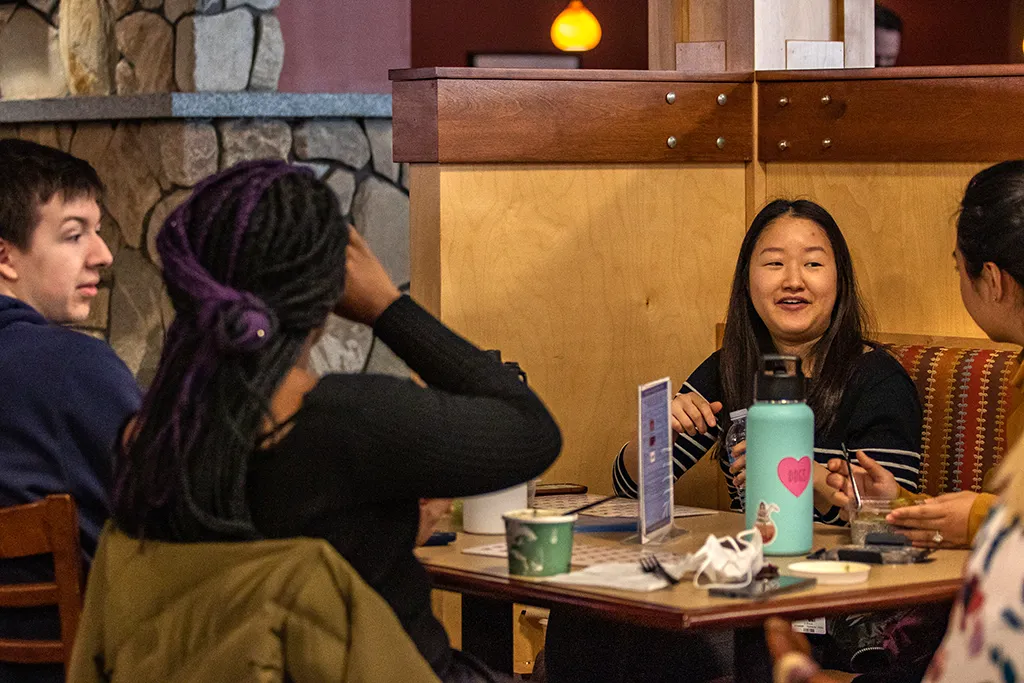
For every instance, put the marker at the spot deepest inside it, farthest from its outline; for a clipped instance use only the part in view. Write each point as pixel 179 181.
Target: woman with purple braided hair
pixel 236 440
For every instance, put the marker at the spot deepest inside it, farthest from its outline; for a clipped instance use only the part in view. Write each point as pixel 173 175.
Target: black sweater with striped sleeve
pixel 880 413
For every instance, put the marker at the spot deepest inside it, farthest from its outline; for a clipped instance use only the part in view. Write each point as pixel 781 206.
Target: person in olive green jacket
pixel 260 611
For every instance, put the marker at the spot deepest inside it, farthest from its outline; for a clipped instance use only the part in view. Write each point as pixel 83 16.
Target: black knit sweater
pixel 363 450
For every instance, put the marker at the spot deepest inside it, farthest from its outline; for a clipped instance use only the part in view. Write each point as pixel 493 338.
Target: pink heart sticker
pixel 795 474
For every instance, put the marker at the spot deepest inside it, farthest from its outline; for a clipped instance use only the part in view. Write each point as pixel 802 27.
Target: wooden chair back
pixel 48 526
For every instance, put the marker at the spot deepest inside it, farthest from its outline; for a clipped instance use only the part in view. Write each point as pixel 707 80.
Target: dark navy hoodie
pixel 64 398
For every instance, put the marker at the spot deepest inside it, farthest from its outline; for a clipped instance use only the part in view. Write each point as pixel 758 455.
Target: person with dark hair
pixel 990 260
pixel 986 627
pixel 888 36
pixel 238 441
pixel 65 395
pixel 794 292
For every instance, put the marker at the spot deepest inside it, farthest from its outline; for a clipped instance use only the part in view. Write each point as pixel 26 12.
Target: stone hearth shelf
pixel 151 149
pixel 196 105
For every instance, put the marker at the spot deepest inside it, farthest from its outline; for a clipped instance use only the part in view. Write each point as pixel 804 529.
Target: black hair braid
pixel 291 256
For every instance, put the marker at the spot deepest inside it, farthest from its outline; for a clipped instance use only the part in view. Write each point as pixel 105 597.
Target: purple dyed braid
pixel 240 321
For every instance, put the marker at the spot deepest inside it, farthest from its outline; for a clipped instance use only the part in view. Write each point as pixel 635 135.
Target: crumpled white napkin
pixel 725 561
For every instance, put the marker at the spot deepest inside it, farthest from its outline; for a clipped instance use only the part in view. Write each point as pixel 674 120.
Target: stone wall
pixel 127 47
pixel 150 167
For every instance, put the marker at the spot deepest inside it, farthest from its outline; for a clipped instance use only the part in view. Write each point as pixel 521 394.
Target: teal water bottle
pixel 780 455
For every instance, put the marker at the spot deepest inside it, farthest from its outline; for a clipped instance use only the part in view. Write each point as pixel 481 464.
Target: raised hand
pixel 431 510
pixel 368 289
pixel 738 464
pixel 692 414
pixel 873 480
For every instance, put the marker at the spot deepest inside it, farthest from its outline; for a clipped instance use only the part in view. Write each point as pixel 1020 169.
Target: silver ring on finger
pixel 937 538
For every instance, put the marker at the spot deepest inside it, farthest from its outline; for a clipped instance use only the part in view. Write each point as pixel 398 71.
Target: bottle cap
pixel 779 378
pixel 740 414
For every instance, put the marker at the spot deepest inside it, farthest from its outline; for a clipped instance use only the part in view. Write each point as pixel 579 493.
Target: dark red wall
pixel 348 45
pixel 954 31
pixel 444 32
pixel 343 45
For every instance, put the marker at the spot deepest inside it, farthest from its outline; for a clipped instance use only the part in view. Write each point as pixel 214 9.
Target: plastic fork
pixel 652 565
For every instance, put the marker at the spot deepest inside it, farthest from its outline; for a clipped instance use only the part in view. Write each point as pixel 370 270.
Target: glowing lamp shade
pixel 576 29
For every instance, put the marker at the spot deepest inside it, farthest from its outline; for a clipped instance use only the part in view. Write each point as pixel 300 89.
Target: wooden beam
pixel 919 119
pixel 667 24
pixel 490 120
pixel 708 57
pixel 858 34
pixel 814 54
pixel 739 35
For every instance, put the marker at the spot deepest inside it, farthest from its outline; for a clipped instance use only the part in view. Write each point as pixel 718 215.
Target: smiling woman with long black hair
pixel 793 292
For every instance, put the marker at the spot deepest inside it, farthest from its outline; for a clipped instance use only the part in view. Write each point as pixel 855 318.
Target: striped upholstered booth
pixel 966 394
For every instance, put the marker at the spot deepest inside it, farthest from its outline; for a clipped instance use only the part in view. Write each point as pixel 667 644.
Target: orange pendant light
pixel 576 29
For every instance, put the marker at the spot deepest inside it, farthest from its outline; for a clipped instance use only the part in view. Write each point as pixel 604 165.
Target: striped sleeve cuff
pixel 623 484
pixel 686 452
pixel 831 516
pixel 905 466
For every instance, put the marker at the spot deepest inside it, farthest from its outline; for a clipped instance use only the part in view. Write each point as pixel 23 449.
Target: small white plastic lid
pixel 740 414
pixel 831 571
pixel 540 516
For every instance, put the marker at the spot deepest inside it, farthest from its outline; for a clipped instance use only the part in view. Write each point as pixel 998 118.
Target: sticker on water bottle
pixel 765 524
pixel 795 474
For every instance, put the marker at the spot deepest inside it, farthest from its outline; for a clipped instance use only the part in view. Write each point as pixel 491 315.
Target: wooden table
pixel 488 591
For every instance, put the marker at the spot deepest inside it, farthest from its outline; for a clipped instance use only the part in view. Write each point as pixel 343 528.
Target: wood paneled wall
pixel 899 220
pixel 598 276
pixel 595 277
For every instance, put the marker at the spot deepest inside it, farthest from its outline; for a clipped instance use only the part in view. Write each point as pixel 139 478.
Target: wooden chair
pixel 48 526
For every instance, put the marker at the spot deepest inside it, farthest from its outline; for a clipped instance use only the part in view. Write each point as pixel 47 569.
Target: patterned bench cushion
pixel 966 395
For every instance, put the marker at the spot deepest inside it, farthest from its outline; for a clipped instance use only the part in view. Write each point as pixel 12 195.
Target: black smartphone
pixel 760 589
pixel 440 538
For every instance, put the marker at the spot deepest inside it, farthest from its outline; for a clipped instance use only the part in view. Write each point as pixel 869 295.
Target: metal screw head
pixel 826 99
pixel 826 143
pixel 671 142
pixel 783 145
pixel 783 101
pixel 722 99
pixel 720 143
pixel 670 98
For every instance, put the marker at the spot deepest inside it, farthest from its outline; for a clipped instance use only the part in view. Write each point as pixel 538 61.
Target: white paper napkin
pixel 618 575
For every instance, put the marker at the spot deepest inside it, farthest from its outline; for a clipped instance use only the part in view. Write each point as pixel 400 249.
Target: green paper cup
pixel 539 542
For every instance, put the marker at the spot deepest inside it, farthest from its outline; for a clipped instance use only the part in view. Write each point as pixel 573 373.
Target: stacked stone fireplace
pixel 158 94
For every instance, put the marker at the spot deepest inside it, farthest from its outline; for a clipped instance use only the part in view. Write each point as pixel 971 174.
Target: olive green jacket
pixel 260 612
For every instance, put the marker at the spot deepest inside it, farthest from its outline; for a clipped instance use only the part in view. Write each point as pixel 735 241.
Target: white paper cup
pixel 482 514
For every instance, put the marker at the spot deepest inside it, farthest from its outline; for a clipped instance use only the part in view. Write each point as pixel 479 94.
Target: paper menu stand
pixel 654 444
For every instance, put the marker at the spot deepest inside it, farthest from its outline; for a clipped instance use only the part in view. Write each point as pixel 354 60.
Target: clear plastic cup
pixel 870 519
